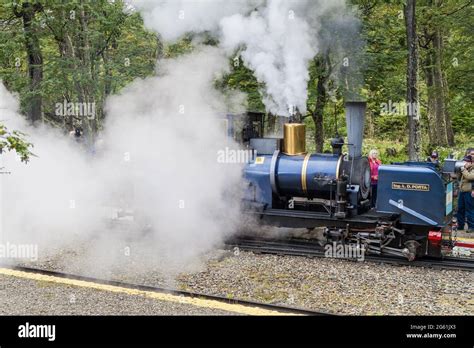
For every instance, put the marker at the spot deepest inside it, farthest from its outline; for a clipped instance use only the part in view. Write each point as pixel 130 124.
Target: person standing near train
pixel 434 158
pixel 374 173
pixel 466 194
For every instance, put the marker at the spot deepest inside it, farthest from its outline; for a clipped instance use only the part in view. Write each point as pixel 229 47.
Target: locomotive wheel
pixel 413 248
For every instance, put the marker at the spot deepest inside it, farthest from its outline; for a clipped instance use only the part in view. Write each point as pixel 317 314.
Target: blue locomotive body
pixel 288 175
pixel 301 190
pixel 418 193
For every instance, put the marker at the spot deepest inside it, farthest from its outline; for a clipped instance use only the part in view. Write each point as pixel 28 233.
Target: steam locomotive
pixel 289 187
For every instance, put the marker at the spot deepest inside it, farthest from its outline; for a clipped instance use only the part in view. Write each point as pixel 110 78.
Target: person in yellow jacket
pixel 466 194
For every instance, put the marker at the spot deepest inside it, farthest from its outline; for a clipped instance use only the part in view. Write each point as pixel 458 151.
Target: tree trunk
pixel 412 92
pixel 443 89
pixel 35 58
pixel 86 92
pixel 437 74
pixel 65 52
pixel 447 115
pixel 323 68
pixel 440 125
pixel 433 131
pixel 371 123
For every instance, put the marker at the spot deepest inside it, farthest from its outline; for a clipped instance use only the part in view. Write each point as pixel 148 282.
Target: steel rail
pixel 306 248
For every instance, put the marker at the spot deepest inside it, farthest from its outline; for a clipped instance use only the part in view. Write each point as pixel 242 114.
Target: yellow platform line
pixel 193 301
pixel 464 239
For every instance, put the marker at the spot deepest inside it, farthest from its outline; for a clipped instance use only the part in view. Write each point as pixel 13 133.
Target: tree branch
pixel 459 9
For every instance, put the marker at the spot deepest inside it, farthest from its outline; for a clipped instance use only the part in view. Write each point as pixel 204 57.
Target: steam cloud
pixel 276 38
pixel 159 158
pixel 161 137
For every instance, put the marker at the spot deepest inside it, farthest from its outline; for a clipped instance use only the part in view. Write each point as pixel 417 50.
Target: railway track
pixel 188 294
pixel 298 247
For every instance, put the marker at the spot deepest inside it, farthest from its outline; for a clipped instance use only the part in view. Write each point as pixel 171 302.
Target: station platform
pixel 464 239
pixel 24 293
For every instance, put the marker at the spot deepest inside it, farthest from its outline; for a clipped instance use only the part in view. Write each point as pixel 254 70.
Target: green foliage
pixel 456 18
pixel 90 50
pixel 178 48
pixel 114 48
pixel 14 141
pixel 242 78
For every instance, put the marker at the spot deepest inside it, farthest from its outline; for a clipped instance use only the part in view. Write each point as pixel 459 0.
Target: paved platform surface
pixel 24 293
pixel 464 234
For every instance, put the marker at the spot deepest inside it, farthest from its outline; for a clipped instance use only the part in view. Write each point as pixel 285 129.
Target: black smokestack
pixel 355 119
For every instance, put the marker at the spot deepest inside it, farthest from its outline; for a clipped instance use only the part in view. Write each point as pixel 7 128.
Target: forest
pixel 412 57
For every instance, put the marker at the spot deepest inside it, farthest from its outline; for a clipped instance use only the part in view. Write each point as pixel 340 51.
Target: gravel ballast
pixel 331 285
pixel 338 286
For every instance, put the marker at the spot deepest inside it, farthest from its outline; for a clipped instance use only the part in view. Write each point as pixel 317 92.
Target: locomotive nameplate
pixel 410 186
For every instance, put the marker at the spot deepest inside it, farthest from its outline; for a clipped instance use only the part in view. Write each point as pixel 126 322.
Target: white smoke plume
pixel 159 158
pixel 162 134
pixel 276 38
pixel 169 126
pixel 174 18
pixel 48 200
